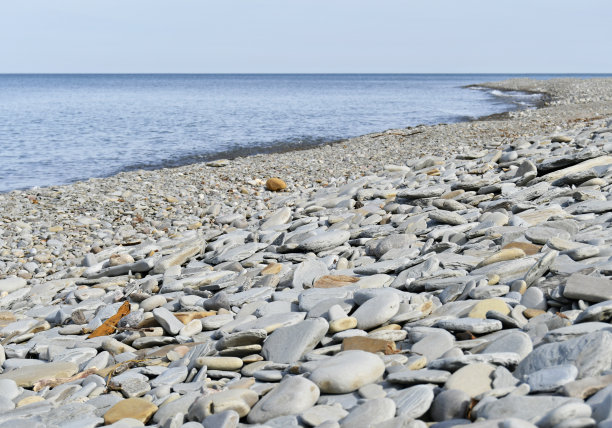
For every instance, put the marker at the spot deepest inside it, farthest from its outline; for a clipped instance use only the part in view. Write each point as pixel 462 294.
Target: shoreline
pixel 410 277
pixel 341 159
pixel 275 147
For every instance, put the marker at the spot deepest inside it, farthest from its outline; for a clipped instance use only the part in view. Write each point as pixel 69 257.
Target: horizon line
pixel 302 73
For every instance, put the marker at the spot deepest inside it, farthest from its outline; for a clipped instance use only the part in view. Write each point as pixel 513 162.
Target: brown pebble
pixel 532 313
pixel 275 184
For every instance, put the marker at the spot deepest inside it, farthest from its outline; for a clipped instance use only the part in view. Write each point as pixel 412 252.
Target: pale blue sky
pixel 307 36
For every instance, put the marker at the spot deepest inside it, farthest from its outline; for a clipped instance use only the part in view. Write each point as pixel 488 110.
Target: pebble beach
pixel 448 275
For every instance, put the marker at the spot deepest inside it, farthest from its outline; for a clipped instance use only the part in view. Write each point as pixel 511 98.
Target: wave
pixel 521 100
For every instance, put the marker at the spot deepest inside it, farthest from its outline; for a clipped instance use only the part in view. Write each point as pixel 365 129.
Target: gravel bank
pixel 417 275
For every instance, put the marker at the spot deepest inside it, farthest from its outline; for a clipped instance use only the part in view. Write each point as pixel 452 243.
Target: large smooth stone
pixel 473 379
pixel 347 371
pixel 589 288
pixel 450 404
pixel 292 396
pixel 529 408
pixel 377 311
pixel 591 354
pixel 516 341
pixel 325 241
pixel 413 402
pixel 289 344
pixel 435 343
pixel 318 414
pixel 134 408
pixel 472 325
pixel 239 400
pixel 11 284
pixel 27 376
pixel 412 377
pixel 369 413
pixel 551 378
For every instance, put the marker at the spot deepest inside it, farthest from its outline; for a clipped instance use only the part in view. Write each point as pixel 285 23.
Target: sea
pixel 60 128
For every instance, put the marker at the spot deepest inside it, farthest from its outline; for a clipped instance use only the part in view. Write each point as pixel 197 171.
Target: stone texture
pixel 133 408
pixel 292 396
pixel 347 371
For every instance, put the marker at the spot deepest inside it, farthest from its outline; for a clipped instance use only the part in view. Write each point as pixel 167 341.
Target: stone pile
pixel 443 291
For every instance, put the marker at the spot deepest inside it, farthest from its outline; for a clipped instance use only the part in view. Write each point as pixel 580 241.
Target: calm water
pixel 55 129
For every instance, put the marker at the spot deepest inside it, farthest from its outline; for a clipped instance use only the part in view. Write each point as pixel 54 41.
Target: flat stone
pixel 598 312
pixel 434 344
pixel 376 311
pixel 586 387
pixel 270 323
pixel 450 404
pixel 289 344
pixel 503 255
pixel 307 273
pixel 589 288
pixel 369 413
pixel 447 217
pixel 506 359
pixel 11 284
pixel 177 258
pixel 541 234
pixel 325 241
pixel 368 344
pixel 582 166
pixel 333 281
pixel 238 400
pixel 582 253
pixel 472 325
pixel 27 376
pixel 413 402
pixel 473 379
pixel 347 371
pixel 507 270
pixel 293 395
pixel 528 248
pixel 540 267
pixel 424 192
pixel 529 408
pixel 170 408
pixel 242 338
pixel 167 320
pixel 134 408
pixel 591 206
pixel 590 353
pixel 484 306
pixel 317 415
pixel 220 363
pixel 566 413
pixel 516 341
pixel 342 324
pixel 551 378
pixel 412 377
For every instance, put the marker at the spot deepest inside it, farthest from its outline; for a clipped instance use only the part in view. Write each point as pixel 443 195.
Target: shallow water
pixel 55 129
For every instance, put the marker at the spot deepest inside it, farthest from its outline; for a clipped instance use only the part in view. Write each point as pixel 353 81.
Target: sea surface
pixel 56 129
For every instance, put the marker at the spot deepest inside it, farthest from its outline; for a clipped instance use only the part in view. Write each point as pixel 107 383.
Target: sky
pixel 305 36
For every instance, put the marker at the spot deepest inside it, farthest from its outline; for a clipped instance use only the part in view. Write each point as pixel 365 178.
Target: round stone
pixel 275 184
pixel 347 371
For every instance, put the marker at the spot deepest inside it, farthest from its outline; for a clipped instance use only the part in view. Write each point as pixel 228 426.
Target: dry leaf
pixel 110 325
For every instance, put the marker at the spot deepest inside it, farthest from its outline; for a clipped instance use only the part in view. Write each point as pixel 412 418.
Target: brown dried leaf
pixel 110 325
